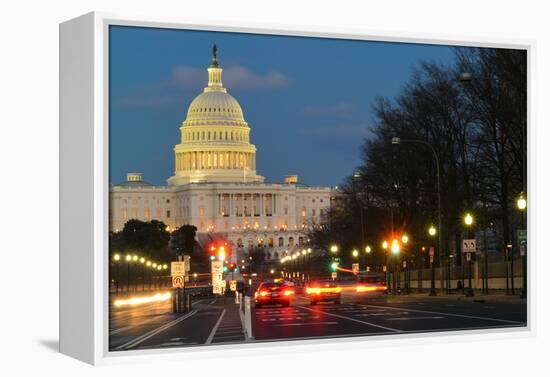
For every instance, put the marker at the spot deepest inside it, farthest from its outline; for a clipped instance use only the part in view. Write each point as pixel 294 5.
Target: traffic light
pixel 334 266
pixel 225 269
pixel 232 266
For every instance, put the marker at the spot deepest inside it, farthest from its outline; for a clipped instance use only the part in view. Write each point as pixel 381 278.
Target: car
pixel 371 284
pixel 323 291
pixel 273 293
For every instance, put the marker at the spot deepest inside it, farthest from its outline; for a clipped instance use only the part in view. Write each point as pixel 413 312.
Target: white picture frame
pixel 84 189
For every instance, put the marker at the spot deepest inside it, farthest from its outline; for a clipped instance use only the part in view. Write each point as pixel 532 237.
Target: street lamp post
pixel 432 232
pixel 397 141
pixel 128 260
pixel 468 221
pixel 522 206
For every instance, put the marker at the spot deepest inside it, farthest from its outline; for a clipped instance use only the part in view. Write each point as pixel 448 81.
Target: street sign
pixel 468 257
pixel 469 246
pixel 333 275
pixel 522 238
pixel 432 252
pixel 233 285
pixel 177 281
pixel 187 262
pixel 355 268
pixel 177 268
pixel 218 284
pixel 522 250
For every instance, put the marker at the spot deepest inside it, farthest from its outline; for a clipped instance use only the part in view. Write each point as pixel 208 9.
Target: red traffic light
pixel 232 266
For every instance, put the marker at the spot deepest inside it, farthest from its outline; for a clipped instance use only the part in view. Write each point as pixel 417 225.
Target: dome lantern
pixel 215 74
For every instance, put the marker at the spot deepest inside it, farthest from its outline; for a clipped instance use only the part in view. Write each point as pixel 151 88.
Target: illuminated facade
pixel 216 188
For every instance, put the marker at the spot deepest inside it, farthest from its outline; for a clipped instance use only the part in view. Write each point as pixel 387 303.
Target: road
pixel 384 315
pixel 211 321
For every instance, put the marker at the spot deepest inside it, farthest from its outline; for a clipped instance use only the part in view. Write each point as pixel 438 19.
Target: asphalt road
pixel 214 322
pixel 385 315
pixel 154 325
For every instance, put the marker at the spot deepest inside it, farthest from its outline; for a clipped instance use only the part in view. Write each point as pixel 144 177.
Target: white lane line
pixel 307 324
pixel 144 337
pixel 446 314
pixel 213 332
pixel 353 319
pixel 411 318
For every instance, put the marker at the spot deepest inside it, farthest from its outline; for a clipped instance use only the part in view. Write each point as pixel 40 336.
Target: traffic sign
pixel 355 268
pixel 177 281
pixel 468 257
pixel 368 268
pixel 469 246
pixel 432 252
pixel 233 285
pixel 431 258
pixel 522 250
pixel 218 284
pixel 384 268
pixel 187 262
pixel 522 237
pixel 404 264
pixel 333 275
pixel 177 268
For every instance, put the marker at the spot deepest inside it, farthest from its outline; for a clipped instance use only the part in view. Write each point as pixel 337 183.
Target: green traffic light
pixel 334 266
pixel 225 269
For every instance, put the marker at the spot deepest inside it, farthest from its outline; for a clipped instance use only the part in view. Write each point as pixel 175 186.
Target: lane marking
pixel 306 324
pixel 446 314
pixel 353 319
pixel 144 337
pixel 213 332
pixel 410 318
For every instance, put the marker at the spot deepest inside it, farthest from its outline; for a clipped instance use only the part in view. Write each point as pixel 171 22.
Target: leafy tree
pixel 183 239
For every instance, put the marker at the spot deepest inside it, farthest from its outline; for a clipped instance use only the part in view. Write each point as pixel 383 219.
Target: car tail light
pixel 263 293
pixel 288 292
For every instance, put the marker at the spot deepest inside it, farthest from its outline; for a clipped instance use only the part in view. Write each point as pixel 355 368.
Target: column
pixel 261 205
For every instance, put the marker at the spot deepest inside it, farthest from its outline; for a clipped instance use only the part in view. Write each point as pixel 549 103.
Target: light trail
pixel 134 301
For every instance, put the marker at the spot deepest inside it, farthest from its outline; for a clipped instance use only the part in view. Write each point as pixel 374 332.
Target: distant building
pixel 215 185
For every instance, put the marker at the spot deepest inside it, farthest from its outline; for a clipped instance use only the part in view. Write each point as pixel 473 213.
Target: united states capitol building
pixel 217 188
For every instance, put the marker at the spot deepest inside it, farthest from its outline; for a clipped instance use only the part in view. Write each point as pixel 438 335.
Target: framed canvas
pixel 228 189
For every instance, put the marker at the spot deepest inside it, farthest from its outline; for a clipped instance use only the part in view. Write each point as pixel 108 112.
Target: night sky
pixel 308 101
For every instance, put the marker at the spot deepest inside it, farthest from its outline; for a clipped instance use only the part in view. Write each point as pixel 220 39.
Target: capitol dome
pixel 215 105
pixel 215 138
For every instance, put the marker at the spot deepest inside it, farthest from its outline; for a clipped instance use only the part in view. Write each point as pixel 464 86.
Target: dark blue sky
pixel 307 100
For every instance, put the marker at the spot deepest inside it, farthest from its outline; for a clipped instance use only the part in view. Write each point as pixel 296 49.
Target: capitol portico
pixel 215 186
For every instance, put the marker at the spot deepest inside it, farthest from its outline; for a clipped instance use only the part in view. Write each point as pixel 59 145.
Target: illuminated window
pixel 290 241
pixel 146 213
pixel 159 213
pixel 281 241
pixel 303 211
pixel 270 241
pixel 125 214
pixel 201 211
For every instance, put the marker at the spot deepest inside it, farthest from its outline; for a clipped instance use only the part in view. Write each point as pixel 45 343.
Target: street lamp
pixel 521 202
pixel 397 141
pixel 432 232
pixel 355 253
pixel 385 245
pixel 522 206
pixel 469 221
pixel 405 239
pixel 334 249
pixel 116 258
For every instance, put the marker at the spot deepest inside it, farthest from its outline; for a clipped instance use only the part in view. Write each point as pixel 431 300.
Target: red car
pixel 273 293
